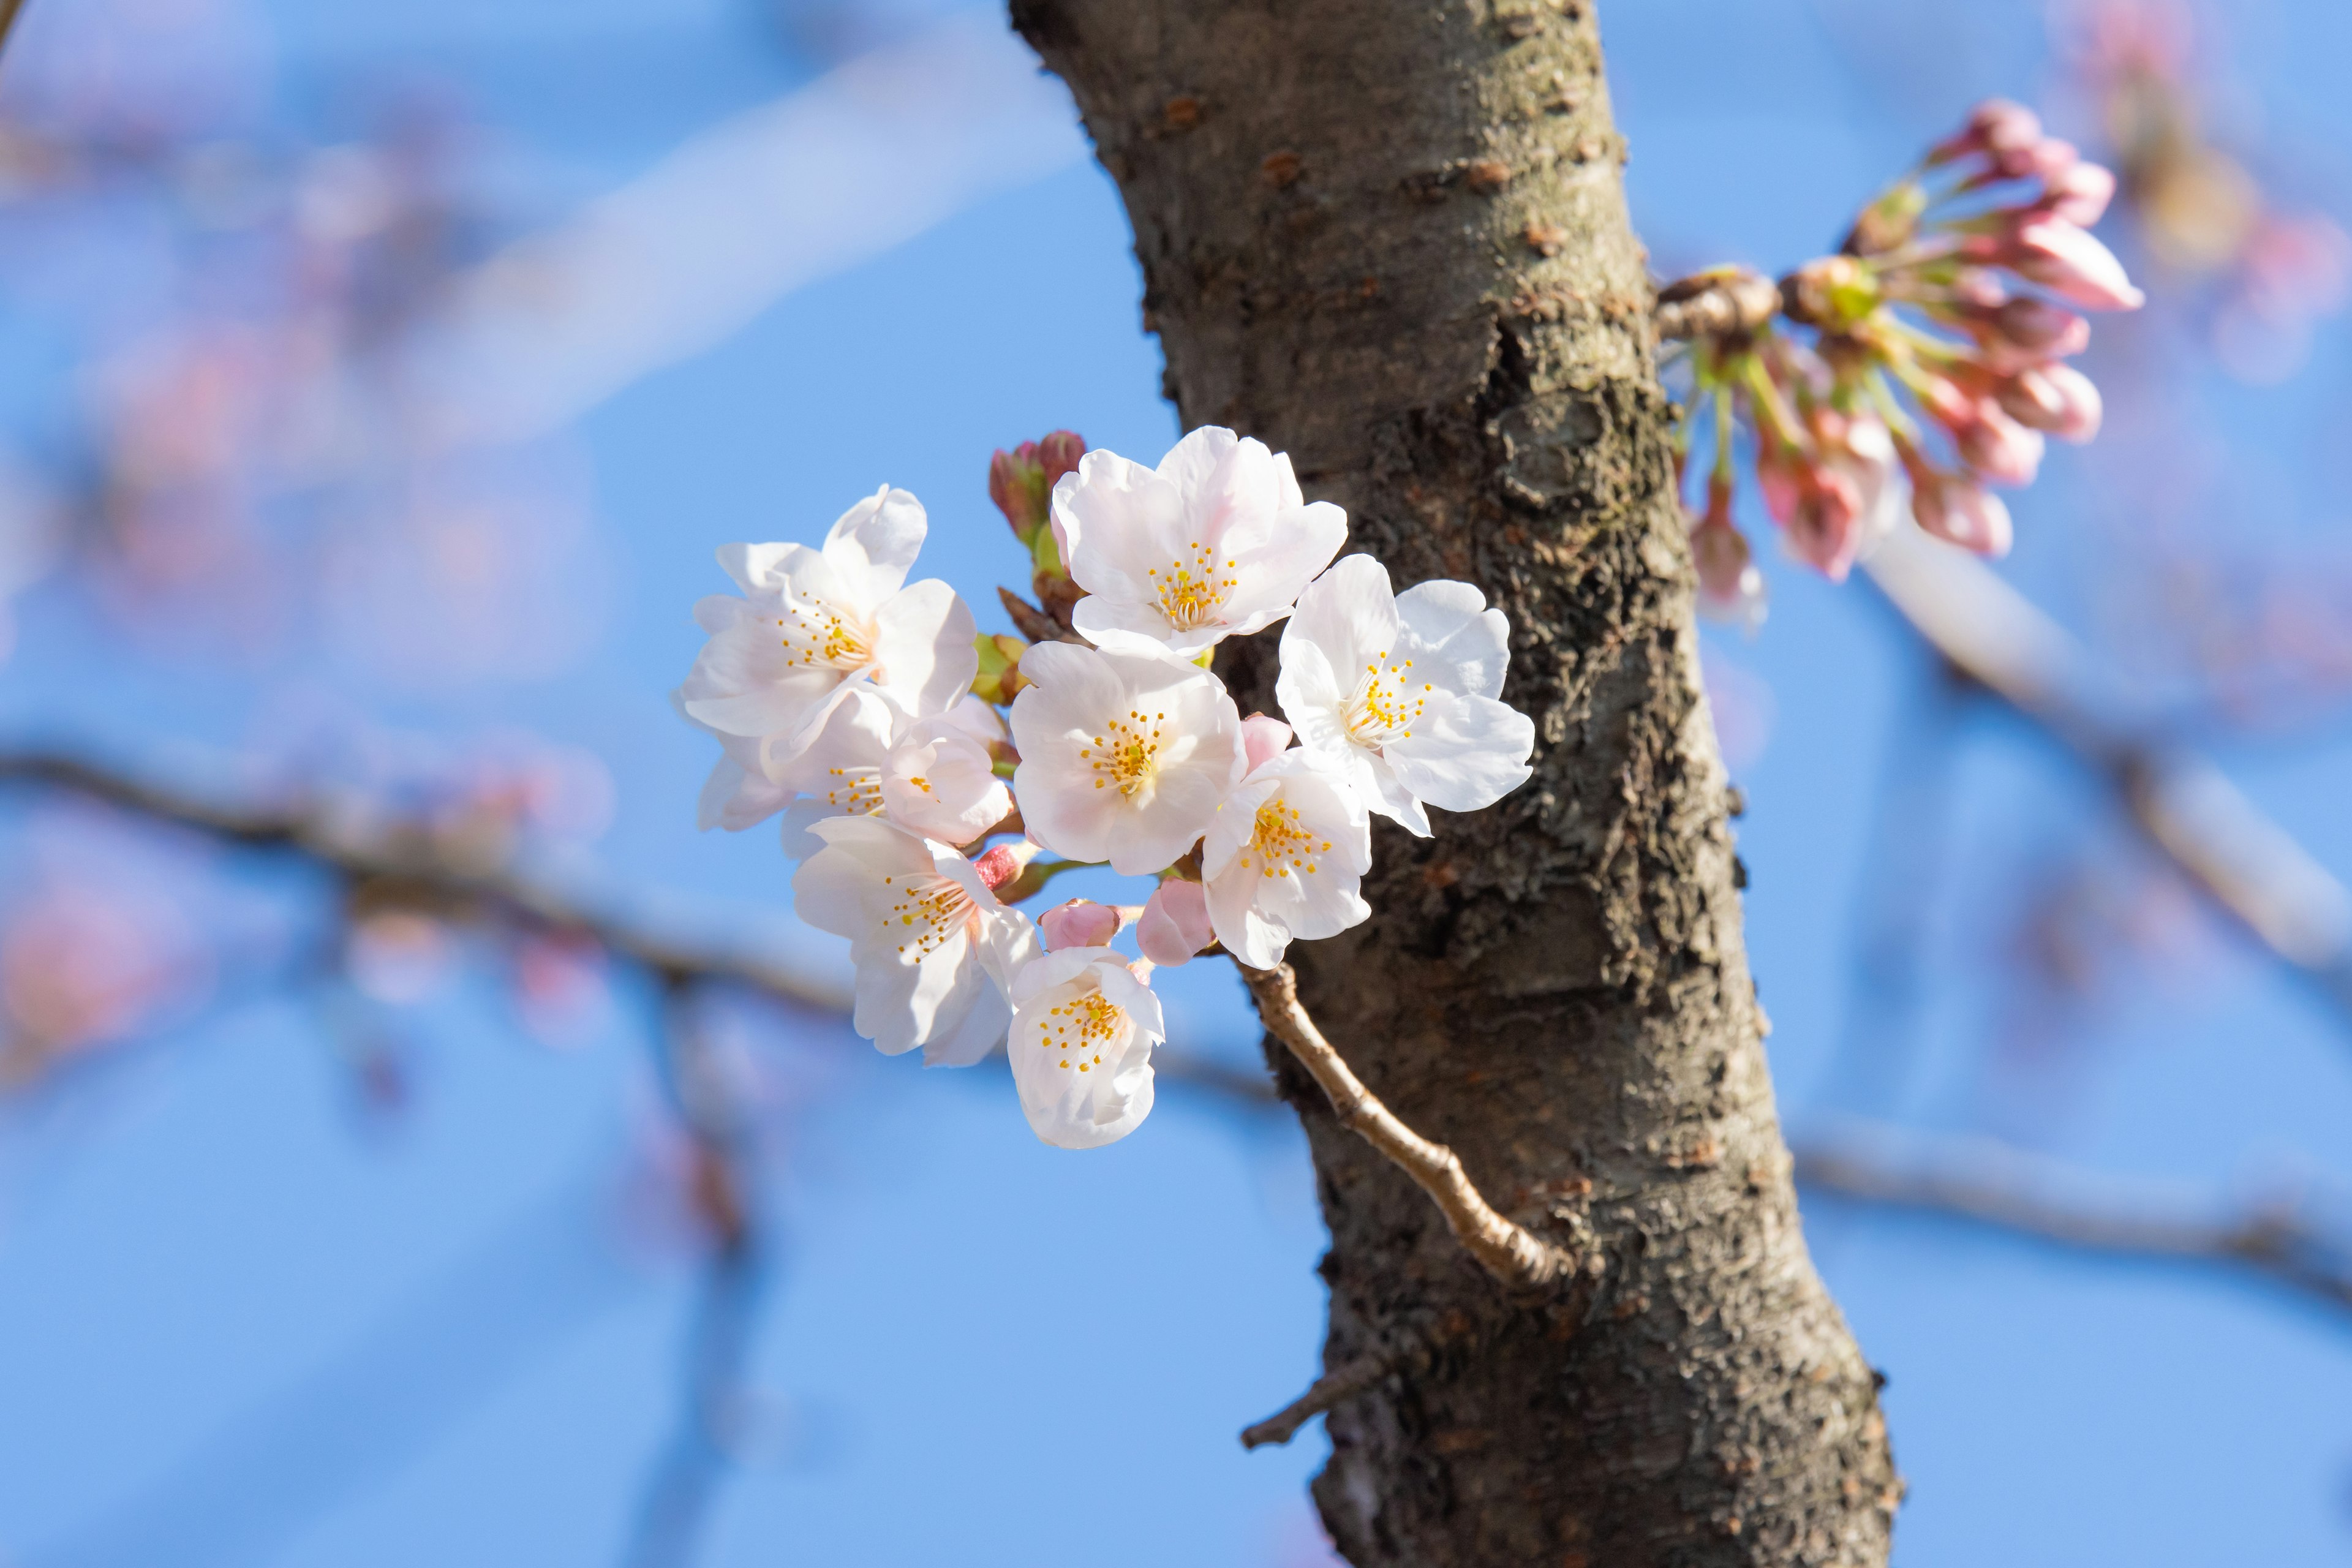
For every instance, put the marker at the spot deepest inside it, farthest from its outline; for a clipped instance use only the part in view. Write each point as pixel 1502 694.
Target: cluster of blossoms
pixel 865 710
pixel 1935 365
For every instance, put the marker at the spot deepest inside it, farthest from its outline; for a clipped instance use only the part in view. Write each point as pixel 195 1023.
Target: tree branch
pixel 2007 1190
pixel 1510 1252
pixel 2231 851
pixel 363 845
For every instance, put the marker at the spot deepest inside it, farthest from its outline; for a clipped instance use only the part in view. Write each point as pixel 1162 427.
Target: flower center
pixel 1190 592
pixel 1081 1029
pixel 855 790
pixel 929 912
pixel 818 636
pixel 1281 842
pixel 1385 703
pixel 1129 756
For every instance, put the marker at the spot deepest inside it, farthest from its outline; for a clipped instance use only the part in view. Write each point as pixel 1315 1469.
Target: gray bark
pixel 1389 237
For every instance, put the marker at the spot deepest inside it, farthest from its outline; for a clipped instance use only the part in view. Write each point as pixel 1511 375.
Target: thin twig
pixel 1333 1387
pixel 2007 1190
pixel 9 10
pixel 367 847
pixel 1508 1251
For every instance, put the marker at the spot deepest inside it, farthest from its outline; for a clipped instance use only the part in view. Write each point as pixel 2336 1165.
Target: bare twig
pixel 1334 1387
pixel 2005 1189
pixel 404 856
pixel 1508 1251
pixel 9 10
pixel 2237 856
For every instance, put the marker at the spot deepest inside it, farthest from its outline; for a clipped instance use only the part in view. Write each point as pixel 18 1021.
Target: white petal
pixel 1348 614
pixel 1467 645
pixel 923 648
pixel 873 545
pixel 1464 753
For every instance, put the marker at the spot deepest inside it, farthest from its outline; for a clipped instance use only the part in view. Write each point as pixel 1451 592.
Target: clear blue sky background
pixel 234 1329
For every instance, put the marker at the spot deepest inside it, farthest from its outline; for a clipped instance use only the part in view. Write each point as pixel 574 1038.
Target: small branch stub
pixel 1508 1251
pixel 1714 303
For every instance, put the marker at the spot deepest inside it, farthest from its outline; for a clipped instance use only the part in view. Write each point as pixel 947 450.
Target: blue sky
pixel 237 1326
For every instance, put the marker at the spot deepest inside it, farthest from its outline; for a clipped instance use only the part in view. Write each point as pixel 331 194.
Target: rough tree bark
pixel 1390 238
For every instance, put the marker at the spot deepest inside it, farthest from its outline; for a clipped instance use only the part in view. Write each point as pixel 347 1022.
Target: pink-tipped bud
pixel 1263 740
pixel 1059 454
pixel 1996 126
pixel 1000 865
pixel 1078 924
pixel 1826 530
pixel 2069 263
pixel 2080 409
pixel 1978 287
pixel 1016 483
pixel 2043 330
pixel 1730 588
pixel 2078 195
pixel 1997 446
pixel 1175 923
pixel 1960 512
pixel 1780 475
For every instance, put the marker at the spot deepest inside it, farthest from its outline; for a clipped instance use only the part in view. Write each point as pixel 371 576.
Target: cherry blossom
pixel 932 944
pixel 1217 541
pixel 1124 756
pixel 1083 1030
pixel 1285 859
pixel 933 776
pixel 1399 691
pixel 813 625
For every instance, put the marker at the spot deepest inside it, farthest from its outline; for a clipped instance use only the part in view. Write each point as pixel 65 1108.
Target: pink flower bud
pixel 2069 263
pixel 1980 288
pixel 2078 195
pixel 1779 476
pixel 1078 924
pixel 1730 588
pixel 1997 446
pixel 1059 454
pixel 1826 530
pixel 1016 483
pixel 999 866
pixel 2079 403
pixel 1960 512
pixel 1263 740
pixel 1175 923
pixel 2042 329
pixel 1995 126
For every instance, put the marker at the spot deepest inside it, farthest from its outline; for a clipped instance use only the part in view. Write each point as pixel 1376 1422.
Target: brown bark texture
pixel 1389 237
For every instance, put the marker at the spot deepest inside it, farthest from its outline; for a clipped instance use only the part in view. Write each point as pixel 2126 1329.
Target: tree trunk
pixel 1389 237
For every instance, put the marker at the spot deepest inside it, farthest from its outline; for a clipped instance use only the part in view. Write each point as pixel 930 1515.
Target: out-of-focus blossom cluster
pixel 1934 363
pixel 862 708
pixel 2198 211
pixel 239 452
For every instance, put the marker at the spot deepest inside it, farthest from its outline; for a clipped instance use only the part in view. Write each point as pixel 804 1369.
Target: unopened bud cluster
pixel 1934 367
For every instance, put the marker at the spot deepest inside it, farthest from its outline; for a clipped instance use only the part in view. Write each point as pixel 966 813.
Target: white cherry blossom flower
pixel 1215 542
pixel 1402 691
pixel 1124 756
pixel 932 776
pixel 1083 1029
pixel 932 946
pixel 813 625
pixel 1285 859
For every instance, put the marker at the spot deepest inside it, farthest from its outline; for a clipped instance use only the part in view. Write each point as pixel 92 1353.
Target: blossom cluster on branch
pixel 865 711
pixel 1933 367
